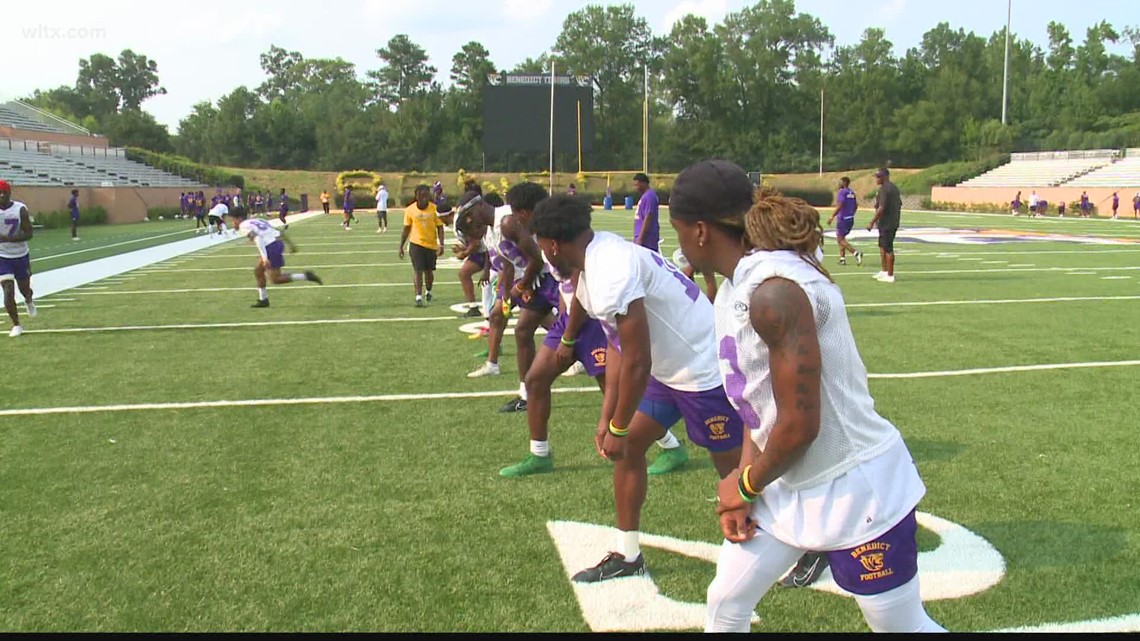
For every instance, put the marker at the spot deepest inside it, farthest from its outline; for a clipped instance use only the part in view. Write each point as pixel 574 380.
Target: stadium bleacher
pixel 1122 173
pixel 22 167
pixel 1049 169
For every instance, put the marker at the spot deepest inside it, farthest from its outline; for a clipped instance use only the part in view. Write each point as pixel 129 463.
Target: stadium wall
pixel 47 136
pixel 123 204
pixel 1100 197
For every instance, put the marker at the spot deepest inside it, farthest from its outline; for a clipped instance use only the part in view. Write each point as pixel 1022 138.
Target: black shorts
pixel 887 239
pixel 216 220
pixel 382 214
pixel 423 259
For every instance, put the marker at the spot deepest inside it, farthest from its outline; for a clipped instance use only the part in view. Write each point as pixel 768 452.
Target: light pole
pixel 1005 78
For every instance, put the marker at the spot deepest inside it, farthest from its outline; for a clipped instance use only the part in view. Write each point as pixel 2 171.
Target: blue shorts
pixel 544 298
pixel 710 420
pixel 881 565
pixel 844 226
pixel 276 253
pixel 16 268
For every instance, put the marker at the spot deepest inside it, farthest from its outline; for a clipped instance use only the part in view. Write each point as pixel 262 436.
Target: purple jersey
pixel 847 204
pixel 647 217
pixel 73 206
pixel 349 205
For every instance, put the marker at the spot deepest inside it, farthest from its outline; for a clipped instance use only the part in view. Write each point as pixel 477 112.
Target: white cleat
pixel 486 369
pixel 880 275
pixel 30 307
pixel 575 370
pixel 887 279
pixel 859 258
pixel 16 331
pixel 75 238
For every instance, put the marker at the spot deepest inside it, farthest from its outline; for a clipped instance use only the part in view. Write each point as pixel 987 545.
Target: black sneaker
pixel 807 570
pixel 420 303
pixel 427 297
pixel 261 303
pixel 313 277
pixel 473 312
pixel 614 566
pixel 517 405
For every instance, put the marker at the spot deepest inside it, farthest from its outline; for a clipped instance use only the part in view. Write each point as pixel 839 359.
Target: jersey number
pixel 691 289
pixel 13 226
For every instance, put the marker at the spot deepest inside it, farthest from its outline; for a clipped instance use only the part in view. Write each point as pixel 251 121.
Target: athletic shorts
pixel 843 227
pixel 423 259
pixel 479 258
pixel 887 239
pixel 382 214
pixel 590 345
pixel 544 298
pixel 16 268
pixel 710 420
pixel 878 566
pixel 216 220
pixel 276 253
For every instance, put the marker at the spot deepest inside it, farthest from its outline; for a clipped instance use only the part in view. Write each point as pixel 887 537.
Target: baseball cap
pixel 711 188
pixel 4 186
pixel 882 173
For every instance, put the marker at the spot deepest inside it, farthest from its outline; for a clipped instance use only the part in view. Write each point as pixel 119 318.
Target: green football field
pixel 173 460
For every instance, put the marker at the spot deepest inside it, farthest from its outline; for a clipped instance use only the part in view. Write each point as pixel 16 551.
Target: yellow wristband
pixel 618 431
pixel 745 482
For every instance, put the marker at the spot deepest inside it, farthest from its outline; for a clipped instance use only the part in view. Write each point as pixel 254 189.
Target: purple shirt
pixel 348 202
pixel 73 205
pixel 847 204
pixel 647 217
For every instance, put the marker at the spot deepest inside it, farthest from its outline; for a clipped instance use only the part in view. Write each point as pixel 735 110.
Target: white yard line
pixel 326 400
pixel 138 328
pixel 296 288
pixel 1005 301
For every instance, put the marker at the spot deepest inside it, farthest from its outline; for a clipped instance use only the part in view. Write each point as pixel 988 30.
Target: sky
pixel 214 49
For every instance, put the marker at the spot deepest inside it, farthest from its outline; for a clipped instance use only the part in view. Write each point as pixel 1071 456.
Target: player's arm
pixel 439 230
pixel 782 316
pixel 25 232
pixel 405 233
pixel 288 243
pixel 633 375
pixel 506 278
pixel 838 208
pixel 880 207
pixel 513 232
pixel 576 315
pixel 261 247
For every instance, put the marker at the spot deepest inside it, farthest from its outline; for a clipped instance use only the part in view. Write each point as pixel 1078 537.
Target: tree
pixel 136 80
pixel 405 72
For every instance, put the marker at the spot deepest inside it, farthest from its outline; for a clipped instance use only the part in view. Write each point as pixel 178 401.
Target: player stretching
pixel 661 362
pixel 845 206
pixel 15 266
pixel 271 245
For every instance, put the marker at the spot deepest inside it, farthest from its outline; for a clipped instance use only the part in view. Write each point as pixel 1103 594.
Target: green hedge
pixel 1071 209
pixel 186 168
pixel 62 219
pixel 153 213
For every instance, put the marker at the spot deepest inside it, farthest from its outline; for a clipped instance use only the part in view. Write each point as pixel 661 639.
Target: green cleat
pixel 530 465
pixel 669 460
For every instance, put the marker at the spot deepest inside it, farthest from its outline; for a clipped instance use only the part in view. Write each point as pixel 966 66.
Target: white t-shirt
pixel 1033 200
pixel 219 210
pixel 682 345
pixel 857 479
pixel 260 232
pixel 10 224
pixel 382 200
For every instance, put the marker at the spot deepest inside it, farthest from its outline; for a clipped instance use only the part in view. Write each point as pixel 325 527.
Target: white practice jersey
pixel 501 250
pixel 382 200
pixel 851 433
pixel 682 345
pixel 9 225
pixel 219 210
pixel 259 230
pixel 565 284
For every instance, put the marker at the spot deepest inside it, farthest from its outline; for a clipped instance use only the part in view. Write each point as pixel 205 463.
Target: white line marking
pixel 58 300
pixel 134 328
pixel 1023 265
pixel 1082 273
pixel 1116 278
pixel 90 409
pixel 253 260
pixel 1008 301
pixel 1006 370
pixel 995 262
pixel 1011 268
pixel 128 242
pixel 246 289
pixel 88 288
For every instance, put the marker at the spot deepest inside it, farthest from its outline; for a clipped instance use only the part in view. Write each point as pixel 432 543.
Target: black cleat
pixel 807 570
pixel 261 303
pixel 427 297
pixel 517 405
pixel 473 312
pixel 614 566
pixel 313 277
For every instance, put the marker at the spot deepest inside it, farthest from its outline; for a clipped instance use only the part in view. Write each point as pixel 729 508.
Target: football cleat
pixel 31 308
pixel 669 460
pixel 261 303
pixel 17 330
pixel 310 276
pixel 517 405
pixel 614 566
pixel 806 570
pixel 532 464
pixel 486 369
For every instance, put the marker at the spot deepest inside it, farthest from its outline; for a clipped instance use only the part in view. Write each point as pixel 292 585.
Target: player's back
pixel 10 224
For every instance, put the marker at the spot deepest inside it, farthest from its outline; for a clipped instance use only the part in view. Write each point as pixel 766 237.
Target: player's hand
pixel 485 279
pixel 870 227
pixel 401 253
pixel 439 252
pixel 613 447
pixel 600 436
pixel 265 263
pixel 564 356
pixel 737 525
pixel 831 221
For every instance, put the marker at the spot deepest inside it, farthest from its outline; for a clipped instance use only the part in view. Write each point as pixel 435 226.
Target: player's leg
pixel 75 229
pixel 744 574
pixel 497 322
pixel 9 285
pixel 539 379
pixel 429 274
pixel 24 283
pixel 467 273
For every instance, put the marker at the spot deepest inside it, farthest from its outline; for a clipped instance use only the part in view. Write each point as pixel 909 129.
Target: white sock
pixel 540 448
pixel 262 294
pixel 628 545
pixel 297 277
pixel 418 297
pixel 488 299
pixel 897 610
pixel 668 442
pixel 522 391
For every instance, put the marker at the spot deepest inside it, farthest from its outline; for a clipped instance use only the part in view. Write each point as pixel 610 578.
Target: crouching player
pixel 271 245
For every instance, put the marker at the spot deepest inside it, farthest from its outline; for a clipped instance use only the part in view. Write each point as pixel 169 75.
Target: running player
pixel 271 245
pixel 217 218
pixel 15 265
pixel 822 470
pixel 846 205
pixel 661 363
pixel 283 209
pixel 349 205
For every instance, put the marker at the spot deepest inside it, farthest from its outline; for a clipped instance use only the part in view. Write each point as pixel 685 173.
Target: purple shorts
pixel 843 227
pixel 545 296
pixel 590 348
pixel 276 252
pixel 710 420
pixel 18 268
pixel 881 565
pixel 479 258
